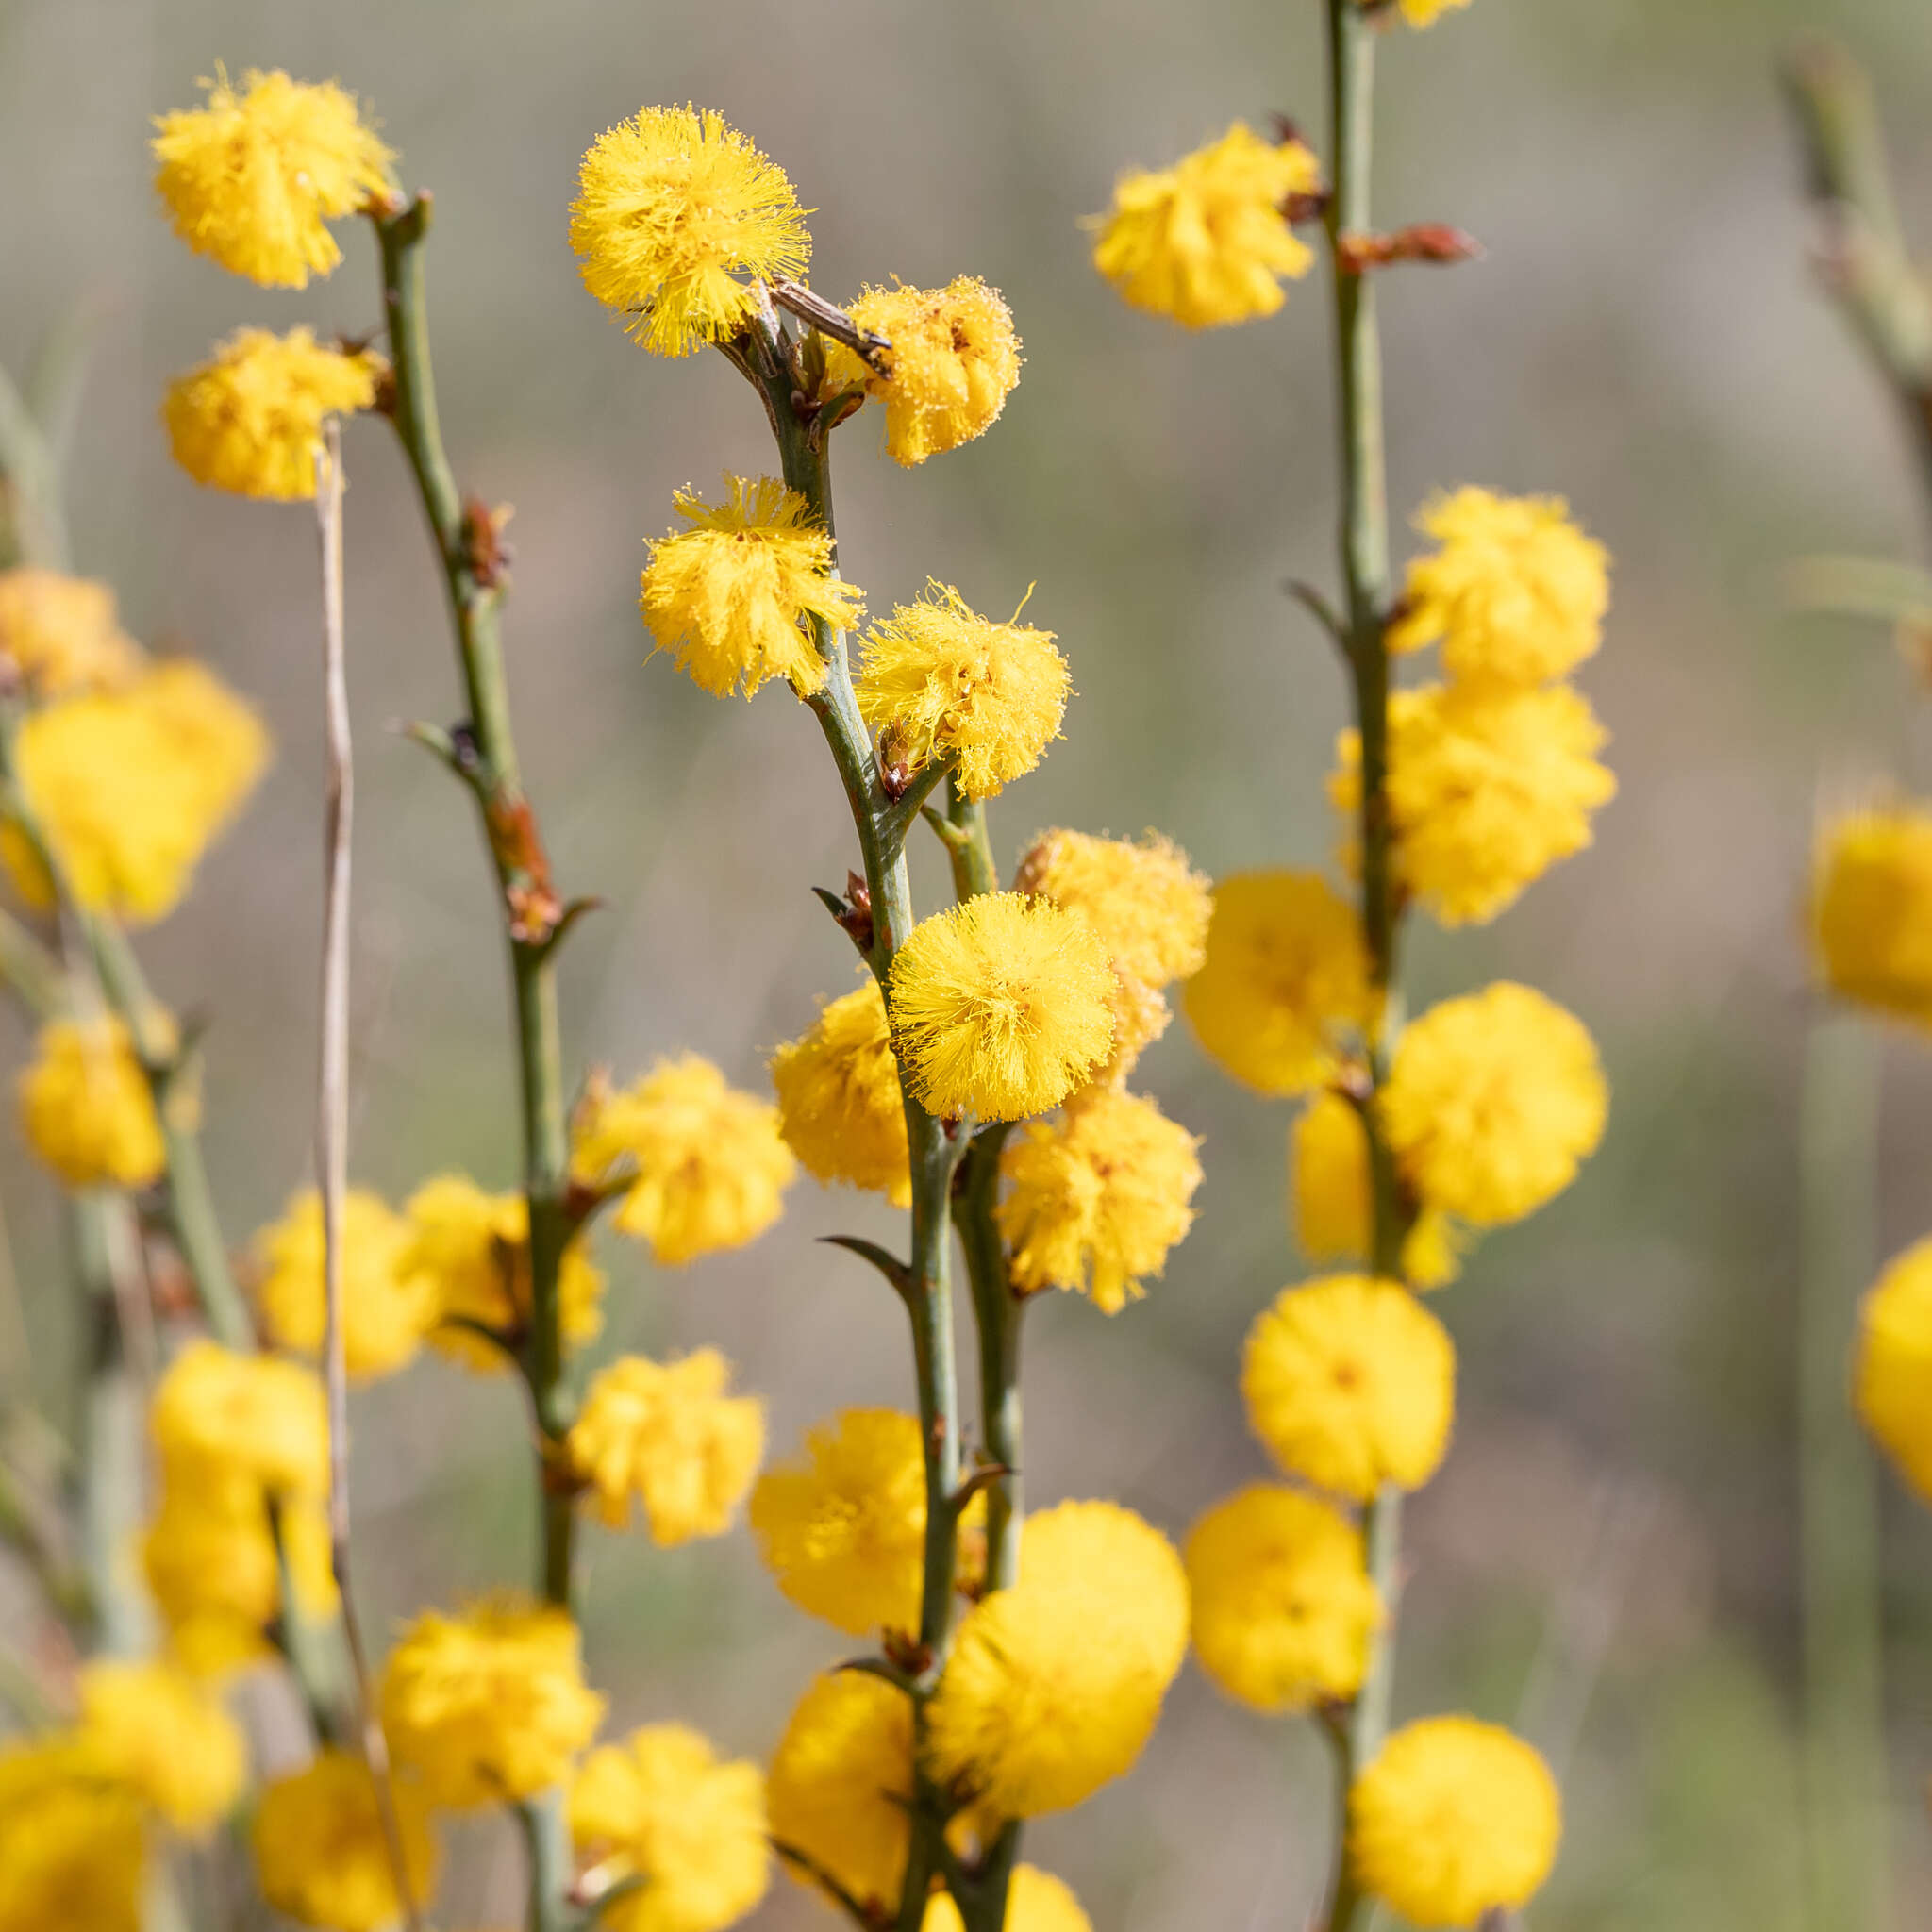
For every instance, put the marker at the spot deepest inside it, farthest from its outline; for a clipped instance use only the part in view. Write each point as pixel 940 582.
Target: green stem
pixel 489 764
pixel 934 1147
pixel 1846 1777
pixel 546 1844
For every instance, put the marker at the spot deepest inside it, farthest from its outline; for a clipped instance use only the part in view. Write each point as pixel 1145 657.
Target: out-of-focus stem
pixel 1846 1778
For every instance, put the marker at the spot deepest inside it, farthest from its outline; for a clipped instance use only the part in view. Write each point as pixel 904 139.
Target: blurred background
pixel 1610 1557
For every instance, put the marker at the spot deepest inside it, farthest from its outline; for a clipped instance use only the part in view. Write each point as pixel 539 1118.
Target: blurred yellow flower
pixel 666 1434
pixel 165 1737
pixel 938 680
pixel 1872 907
pixel 1000 1007
pixel 489 1706
pixel 677 218
pixel 662 1808
pixel 1892 1375
pixel 1283 1606
pixel 1207 241
pixel 1285 978
pixel 70 1841
pixel 1350 1383
pixel 253 179
pixel 86 1108
pixel 710 1168
pixel 954 362
pixel 1097 1199
pixel 1453 1821
pixel 230 1424
pixel 1423 13
pixel 250 420
pixel 60 635
pixel 322 1851
pixel 1493 1102
pixel 839 1107
pixel 1036 1902
pixel 1328 1181
pixel 731 597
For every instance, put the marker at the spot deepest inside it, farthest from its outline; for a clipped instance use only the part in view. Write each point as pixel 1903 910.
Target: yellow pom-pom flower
pixel 1489 787
pixel 129 788
pixel 839 1788
pixel 1286 973
pixel 1871 908
pixel 489 1706
pixel 86 1106
pixel 839 1107
pixel 1452 1821
pixel 253 179
pixel 70 1841
pixel 663 1809
pixel 954 362
pixel 386 1312
pixel 666 1434
pixel 1328 1180
pixel 677 217
pixel 1207 241
pixel 938 680
pixel 1054 1686
pixel 164 1737
pixel 472 1251
pixel 1036 1902
pixel 61 634
pixel 250 420
pixel 1892 1375
pixel 1000 1007
pixel 711 1168
pixel 322 1851
pixel 1423 13
pixel 1350 1383
pixel 731 597
pixel 223 1420
pixel 1096 1200
pixel 1283 1606
pixel 1494 1101
pixel 1516 593
pixel 842 1527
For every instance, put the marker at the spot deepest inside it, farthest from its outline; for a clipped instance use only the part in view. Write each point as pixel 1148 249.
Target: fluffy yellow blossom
pixel 1283 1605
pixel 954 362
pixel 252 178
pixel 86 1108
pixel 938 680
pixel 473 1249
pixel 1350 1383
pixel 1494 1101
pixel 1149 906
pixel 1891 1376
pixel 1286 971
pixel 386 1312
pixel 1207 241
pixel 322 1853
pixel 1036 1902
pixel 209 1562
pixel 250 420
pixel 222 1420
pixel 662 1808
pixel 1425 13
pixel 677 217
pixel 667 1435
pixel 1452 1821
pixel 1516 593
pixel 840 1786
pixel 1328 1181
pixel 129 788
pixel 842 1527
pixel 489 1706
pixel 839 1107
pixel 711 1167
pixel 1096 1199
pixel 731 598
pixel 165 1737
pixel 71 1851
pixel 1054 1686
pixel 1871 908
pixel 61 634
pixel 1000 1007
pixel 1489 787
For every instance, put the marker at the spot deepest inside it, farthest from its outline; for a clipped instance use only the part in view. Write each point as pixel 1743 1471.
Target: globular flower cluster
pixel 841 1107
pixel 60 635
pixel 86 1106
